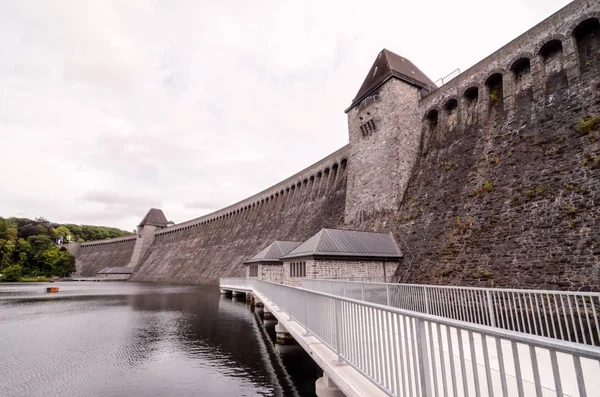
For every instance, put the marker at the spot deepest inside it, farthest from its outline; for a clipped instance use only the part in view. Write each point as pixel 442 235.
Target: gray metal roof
pixel 274 251
pixel 154 217
pixel 386 65
pixel 116 270
pixel 333 242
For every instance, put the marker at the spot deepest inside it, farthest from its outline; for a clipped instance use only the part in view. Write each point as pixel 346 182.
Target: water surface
pixel 133 339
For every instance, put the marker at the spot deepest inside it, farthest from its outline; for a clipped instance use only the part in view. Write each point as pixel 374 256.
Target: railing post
pixel 362 291
pixel 423 358
pixel 337 309
pixel 426 296
pixel 490 308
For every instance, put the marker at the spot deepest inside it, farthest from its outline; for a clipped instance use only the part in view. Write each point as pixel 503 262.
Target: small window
pixel 368 128
pixel 253 270
pixel 298 269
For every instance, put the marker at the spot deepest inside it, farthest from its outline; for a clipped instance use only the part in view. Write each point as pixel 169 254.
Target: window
pixel 298 269
pixel 368 128
pixel 253 270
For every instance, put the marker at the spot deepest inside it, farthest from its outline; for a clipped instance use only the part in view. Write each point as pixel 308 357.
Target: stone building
pixel 267 265
pixel 342 253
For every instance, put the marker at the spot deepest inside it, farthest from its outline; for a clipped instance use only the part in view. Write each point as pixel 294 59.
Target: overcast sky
pixel 108 108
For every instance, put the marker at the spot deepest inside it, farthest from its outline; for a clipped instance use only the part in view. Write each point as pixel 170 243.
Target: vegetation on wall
pixel 29 249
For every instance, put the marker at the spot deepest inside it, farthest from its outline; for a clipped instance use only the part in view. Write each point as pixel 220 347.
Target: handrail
pixel 565 315
pixel 408 353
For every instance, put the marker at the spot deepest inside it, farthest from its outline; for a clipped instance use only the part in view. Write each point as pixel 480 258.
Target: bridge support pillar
pixel 324 387
pixel 283 336
pixel 224 291
pixel 267 315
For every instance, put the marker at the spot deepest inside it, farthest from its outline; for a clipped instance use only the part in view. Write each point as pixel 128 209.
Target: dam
pixel 488 180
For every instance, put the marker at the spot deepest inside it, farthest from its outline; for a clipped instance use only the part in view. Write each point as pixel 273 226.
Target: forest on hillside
pixel 31 249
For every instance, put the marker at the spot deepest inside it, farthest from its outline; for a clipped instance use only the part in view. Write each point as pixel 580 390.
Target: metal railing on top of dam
pixel 569 316
pixel 407 353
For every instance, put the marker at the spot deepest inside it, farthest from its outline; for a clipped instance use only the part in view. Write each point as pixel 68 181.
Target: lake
pixel 136 339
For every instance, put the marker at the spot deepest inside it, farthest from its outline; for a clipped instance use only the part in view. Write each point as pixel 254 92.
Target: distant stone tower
pixel 155 219
pixel 385 133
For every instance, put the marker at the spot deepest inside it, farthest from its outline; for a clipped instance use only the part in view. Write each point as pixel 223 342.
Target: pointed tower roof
pixel 388 65
pixel 274 251
pixel 350 243
pixel 154 217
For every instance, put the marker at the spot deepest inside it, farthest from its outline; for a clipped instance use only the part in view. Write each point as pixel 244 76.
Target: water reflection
pixel 127 339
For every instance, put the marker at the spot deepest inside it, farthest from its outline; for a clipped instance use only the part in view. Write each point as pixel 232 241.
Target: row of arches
pixel 319 183
pixel 548 58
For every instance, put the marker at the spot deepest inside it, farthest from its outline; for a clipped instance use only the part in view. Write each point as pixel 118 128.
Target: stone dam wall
pixel 502 187
pixel 507 187
pixel 213 246
pixel 97 255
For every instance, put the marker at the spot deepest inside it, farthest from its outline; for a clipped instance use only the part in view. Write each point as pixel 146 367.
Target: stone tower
pixel 154 220
pixel 385 133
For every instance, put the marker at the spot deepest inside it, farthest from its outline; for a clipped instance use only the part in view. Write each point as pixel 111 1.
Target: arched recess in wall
pixel 471 98
pixel 587 38
pixel 451 113
pixel 523 82
pixel 334 177
pixel 552 57
pixel 495 91
pixel 430 125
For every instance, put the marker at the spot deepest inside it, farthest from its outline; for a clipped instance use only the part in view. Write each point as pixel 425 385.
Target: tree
pixel 39 243
pixel 28 231
pixel 12 273
pixel 31 245
pixel 64 265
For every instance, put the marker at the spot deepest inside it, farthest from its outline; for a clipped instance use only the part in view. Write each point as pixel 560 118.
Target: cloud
pixel 108 108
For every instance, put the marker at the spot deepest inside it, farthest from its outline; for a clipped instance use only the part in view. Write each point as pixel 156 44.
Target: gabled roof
pixel 351 243
pixel 274 251
pixel 116 270
pixel 154 217
pixel 388 65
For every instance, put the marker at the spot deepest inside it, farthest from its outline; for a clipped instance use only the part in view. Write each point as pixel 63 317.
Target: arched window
pixel 551 50
pixel 587 37
pixel 432 118
pixel 495 90
pixel 472 96
pixel 521 69
pixel 451 106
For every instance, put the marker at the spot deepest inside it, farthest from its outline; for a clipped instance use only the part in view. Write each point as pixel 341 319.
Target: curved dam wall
pixel 215 245
pixel 506 191
pixel 492 179
pixel 95 256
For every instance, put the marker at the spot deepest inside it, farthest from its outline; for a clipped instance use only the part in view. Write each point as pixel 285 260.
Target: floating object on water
pixel 52 289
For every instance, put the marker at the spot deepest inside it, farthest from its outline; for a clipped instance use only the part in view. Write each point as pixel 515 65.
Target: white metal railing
pixel 367 279
pixel 239 282
pixel 408 353
pixel 569 316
